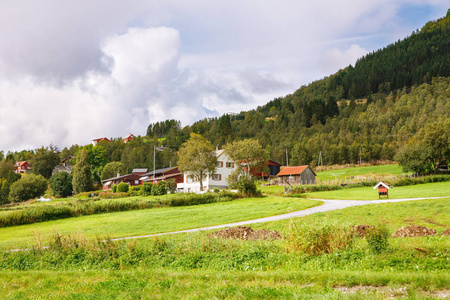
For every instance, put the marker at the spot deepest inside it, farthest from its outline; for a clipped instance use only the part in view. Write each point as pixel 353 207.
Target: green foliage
pixel 122 187
pixel 28 187
pixel 247 187
pixel 61 184
pixel 114 188
pixel 159 189
pixel 378 238
pixel 171 185
pixel 135 190
pixel 82 177
pixel 147 189
pixel 111 169
pixel 96 159
pixel 45 160
pixel 4 191
pixel 7 171
pixel 320 238
pixel 247 153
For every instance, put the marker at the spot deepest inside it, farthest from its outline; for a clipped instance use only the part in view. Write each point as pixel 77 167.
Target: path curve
pixel 326 206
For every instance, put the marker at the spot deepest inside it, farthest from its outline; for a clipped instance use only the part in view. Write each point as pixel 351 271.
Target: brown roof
pixel 292 171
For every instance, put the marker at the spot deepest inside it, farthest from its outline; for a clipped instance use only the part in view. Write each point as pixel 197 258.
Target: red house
pixel 266 170
pixel 383 189
pixel 96 141
pixel 163 175
pixel 128 138
pixel 21 167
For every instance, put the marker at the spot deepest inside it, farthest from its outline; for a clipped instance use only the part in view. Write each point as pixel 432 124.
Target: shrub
pixel 4 191
pixel 61 184
pixel 378 238
pixel 135 190
pixel 159 189
pixel 114 188
pixel 82 177
pixel 247 187
pixel 171 185
pixel 28 187
pixel 320 238
pixel 122 187
pixel 147 188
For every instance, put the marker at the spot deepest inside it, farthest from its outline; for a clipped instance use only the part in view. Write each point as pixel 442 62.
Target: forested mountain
pixel 391 97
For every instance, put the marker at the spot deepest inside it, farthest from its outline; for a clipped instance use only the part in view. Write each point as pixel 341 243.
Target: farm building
pixel 296 175
pixel 162 175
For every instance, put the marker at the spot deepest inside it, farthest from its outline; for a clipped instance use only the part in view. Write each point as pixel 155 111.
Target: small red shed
pixel 382 189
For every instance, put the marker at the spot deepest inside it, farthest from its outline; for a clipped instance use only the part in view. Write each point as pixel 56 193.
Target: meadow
pixel 380 170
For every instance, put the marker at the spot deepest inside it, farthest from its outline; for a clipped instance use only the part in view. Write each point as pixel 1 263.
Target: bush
pixel 135 190
pixel 320 238
pixel 122 187
pixel 378 238
pixel 147 188
pixel 4 191
pixel 28 187
pixel 171 185
pixel 247 187
pixel 61 184
pixel 114 188
pixel 159 189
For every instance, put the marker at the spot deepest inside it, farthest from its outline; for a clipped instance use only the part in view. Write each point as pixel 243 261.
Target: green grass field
pixel 193 266
pixel 440 189
pixel 141 222
pixel 357 171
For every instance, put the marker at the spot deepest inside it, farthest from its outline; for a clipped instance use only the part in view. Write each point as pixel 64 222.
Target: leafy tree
pixel 414 157
pixel 4 191
pixel 45 160
pixel 171 185
pixel 28 187
pixel 197 157
pixel 61 184
pixel 82 177
pixel 7 171
pixel 96 158
pixel 159 189
pixel 147 188
pixel 111 169
pixel 248 153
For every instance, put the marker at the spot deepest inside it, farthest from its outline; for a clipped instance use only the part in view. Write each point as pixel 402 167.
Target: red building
pixel 21 167
pixel 128 138
pixel 267 170
pixel 163 175
pixel 131 179
pixel 96 141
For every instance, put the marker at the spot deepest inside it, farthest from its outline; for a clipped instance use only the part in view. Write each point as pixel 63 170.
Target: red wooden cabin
pixel 383 189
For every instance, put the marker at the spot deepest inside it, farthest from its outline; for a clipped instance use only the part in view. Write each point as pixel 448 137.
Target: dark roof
pixel 140 170
pixel 159 171
pixel 122 177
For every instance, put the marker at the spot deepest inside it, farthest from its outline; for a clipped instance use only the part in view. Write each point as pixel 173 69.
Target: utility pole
pixel 287 159
pixel 320 162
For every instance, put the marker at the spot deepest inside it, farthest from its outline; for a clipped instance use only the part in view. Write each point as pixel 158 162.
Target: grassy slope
pixel 355 171
pixel 439 189
pixel 265 282
pixel 141 222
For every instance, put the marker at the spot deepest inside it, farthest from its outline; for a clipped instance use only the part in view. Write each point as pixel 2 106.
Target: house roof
pixel 139 170
pixel 128 136
pixel 381 183
pixel 271 162
pixel 101 139
pixel 287 171
pixel 131 176
pixel 21 163
pixel 159 171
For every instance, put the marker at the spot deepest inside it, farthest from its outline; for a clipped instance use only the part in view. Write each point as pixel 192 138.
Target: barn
pixel 296 175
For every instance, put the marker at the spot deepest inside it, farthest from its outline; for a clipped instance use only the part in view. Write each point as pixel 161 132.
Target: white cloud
pixel 76 70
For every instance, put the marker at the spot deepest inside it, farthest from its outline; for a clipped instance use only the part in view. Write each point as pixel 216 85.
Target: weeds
pixel 378 238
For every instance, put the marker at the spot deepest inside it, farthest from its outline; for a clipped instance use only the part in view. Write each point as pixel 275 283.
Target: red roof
pixel 21 163
pixel 292 171
pixel 101 139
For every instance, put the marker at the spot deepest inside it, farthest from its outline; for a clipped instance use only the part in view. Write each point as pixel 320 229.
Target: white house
pixel 217 180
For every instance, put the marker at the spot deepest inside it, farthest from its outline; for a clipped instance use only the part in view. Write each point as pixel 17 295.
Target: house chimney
pixel 118 174
pixel 217 148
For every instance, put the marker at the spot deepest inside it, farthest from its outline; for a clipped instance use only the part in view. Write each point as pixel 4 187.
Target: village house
pixel 271 169
pixel 66 165
pixel 162 175
pixel 225 166
pixel 96 141
pixel 21 167
pixel 131 179
pixel 128 138
pixel 296 176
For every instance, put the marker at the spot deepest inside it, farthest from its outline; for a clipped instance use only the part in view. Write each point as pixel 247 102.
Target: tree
pixel 197 157
pixel 247 153
pixel 96 158
pixel 61 184
pixel 28 187
pixel 82 178
pixel 111 169
pixel 414 157
pixel 45 160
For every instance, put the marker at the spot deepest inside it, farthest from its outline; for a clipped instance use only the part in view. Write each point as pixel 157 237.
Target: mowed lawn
pixel 439 189
pixel 356 171
pixel 149 221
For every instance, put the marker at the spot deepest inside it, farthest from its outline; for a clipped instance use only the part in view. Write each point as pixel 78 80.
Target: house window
pixel 190 179
pixel 217 177
pixel 230 165
pixel 136 182
pixel 220 164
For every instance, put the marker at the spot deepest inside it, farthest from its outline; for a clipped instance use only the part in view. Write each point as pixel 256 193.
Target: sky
pixel 75 70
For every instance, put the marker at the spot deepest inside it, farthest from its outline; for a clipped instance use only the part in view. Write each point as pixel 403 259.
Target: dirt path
pixel 326 206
